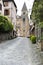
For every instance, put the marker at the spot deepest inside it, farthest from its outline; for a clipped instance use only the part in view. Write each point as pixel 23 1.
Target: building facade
pixel 1 7
pixel 9 9
pixel 23 23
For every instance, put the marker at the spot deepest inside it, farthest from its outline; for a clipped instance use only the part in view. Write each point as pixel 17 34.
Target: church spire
pixel 24 7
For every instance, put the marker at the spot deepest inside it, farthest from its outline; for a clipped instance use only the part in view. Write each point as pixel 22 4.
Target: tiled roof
pixel 10 0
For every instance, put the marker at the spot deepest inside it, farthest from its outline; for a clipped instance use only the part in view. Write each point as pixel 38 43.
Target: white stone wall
pixel 2 11
pixel 12 14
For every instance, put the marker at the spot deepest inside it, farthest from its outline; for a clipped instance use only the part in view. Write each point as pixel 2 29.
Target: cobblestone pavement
pixel 20 51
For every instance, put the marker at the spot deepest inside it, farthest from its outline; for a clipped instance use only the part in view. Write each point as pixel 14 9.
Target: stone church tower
pixel 23 22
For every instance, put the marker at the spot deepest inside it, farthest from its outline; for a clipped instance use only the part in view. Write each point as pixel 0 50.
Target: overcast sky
pixel 20 3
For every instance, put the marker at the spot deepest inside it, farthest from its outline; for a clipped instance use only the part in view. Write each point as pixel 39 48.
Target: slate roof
pixel 9 1
pixel 24 7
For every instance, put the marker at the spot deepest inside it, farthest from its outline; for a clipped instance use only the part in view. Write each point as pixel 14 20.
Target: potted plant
pixel 33 39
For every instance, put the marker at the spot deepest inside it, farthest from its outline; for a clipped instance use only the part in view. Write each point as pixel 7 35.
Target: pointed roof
pixel 24 7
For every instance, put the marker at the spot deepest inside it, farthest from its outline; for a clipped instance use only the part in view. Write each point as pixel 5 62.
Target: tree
pixel 37 11
pixel 37 14
pixel 5 24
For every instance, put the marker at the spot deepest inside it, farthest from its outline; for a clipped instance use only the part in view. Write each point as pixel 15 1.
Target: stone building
pixel 23 23
pixel 9 9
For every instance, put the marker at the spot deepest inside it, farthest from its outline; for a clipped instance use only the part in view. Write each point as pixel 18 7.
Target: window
pixel 5 4
pixel 23 19
pixel 23 22
pixel 0 7
pixel 24 13
pixel 6 12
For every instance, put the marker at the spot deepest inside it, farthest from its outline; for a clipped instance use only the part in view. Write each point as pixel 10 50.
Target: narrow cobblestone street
pixel 20 51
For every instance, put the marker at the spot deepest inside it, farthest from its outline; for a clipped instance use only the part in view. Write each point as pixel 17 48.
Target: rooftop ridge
pixel 10 0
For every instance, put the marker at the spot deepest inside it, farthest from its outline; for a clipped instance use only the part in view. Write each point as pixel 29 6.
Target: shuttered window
pixel 6 12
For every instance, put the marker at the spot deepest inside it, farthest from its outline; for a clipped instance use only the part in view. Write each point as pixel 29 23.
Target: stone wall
pixel 42 45
pixel 42 39
pixel 7 36
pixel 39 35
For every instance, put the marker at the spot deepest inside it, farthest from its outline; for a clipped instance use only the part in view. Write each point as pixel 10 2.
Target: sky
pixel 20 3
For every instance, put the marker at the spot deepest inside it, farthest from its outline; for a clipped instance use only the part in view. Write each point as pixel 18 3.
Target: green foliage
pixel 41 37
pixel 33 39
pixel 37 11
pixel 30 36
pixel 41 24
pixel 5 24
pixel 37 14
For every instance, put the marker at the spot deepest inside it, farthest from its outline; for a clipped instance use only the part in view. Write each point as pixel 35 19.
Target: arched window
pixel 23 22
pixel 23 19
pixel 0 7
